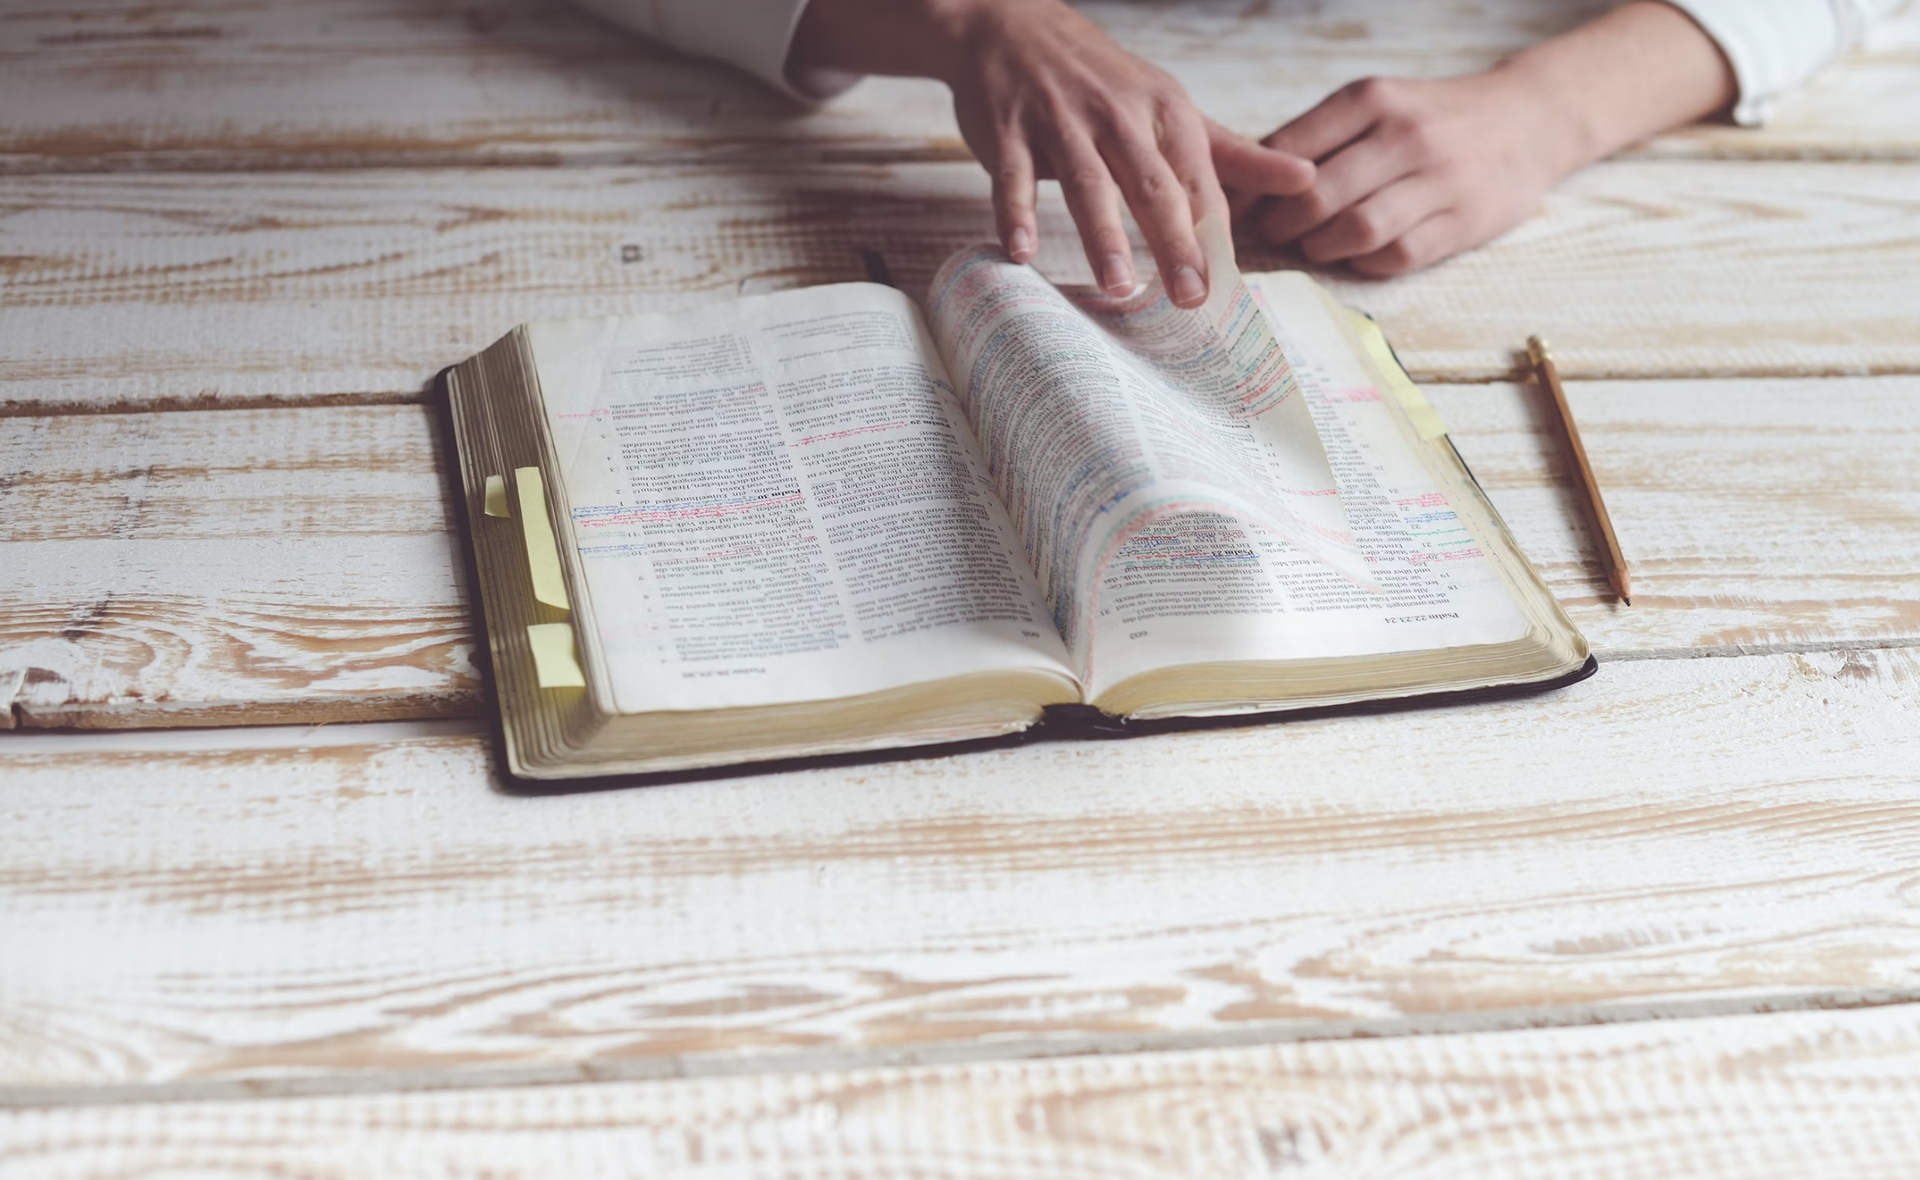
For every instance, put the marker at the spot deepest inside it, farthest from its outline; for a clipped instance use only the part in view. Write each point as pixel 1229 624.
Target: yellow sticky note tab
pixel 543 556
pixel 1426 419
pixel 554 665
pixel 497 497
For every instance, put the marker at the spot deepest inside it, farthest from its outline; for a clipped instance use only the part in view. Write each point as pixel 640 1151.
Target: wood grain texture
pixel 209 917
pixel 1755 514
pixel 264 566
pixel 185 569
pixel 1720 834
pixel 221 84
pixel 1785 1097
pixel 152 291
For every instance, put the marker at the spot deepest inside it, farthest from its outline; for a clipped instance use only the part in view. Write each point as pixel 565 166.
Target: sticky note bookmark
pixel 1426 419
pixel 554 665
pixel 497 497
pixel 543 556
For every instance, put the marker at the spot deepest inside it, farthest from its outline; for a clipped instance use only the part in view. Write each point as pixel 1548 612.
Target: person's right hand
pixel 1040 91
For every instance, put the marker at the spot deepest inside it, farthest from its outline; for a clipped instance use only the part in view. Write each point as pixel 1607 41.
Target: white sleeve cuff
pixel 754 35
pixel 1775 45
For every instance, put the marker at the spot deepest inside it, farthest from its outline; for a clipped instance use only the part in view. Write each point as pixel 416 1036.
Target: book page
pixel 778 500
pixel 1099 417
pixel 1206 586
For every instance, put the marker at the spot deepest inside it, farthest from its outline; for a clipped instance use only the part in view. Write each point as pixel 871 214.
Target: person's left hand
pixel 1411 172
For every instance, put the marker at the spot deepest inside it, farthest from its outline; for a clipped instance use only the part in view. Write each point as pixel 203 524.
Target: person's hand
pixel 1411 172
pixel 1414 171
pixel 1041 92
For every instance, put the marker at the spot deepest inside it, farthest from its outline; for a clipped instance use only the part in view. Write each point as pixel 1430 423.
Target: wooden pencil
pixel 1611 559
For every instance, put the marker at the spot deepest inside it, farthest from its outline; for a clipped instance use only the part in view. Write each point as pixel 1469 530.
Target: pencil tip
pixel 1625 599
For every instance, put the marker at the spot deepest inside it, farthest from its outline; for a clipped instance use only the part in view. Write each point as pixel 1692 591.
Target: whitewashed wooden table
pixel 1664 923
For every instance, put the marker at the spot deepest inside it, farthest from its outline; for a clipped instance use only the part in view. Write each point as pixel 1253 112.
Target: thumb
pixel 1253 170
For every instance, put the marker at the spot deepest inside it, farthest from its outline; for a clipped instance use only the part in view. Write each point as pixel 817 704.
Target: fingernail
pixel 1187 286
pixel 1116 274
pixel 1019 244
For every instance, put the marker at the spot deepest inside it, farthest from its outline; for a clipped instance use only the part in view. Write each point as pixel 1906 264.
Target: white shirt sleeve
pixel 1774 45
pixel 751 34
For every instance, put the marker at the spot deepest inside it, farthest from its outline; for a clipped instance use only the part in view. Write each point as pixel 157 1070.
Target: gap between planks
pixel 429 395
pixel 1738 650
pixel 933 151
pixel 182 405
pixel 791 1064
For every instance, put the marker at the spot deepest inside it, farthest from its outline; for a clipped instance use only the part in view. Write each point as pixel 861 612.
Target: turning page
pixel 1099 418
pixel 1205 587
pixel 779 500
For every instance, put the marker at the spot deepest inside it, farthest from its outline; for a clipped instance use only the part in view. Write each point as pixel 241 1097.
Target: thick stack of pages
pixel 826 520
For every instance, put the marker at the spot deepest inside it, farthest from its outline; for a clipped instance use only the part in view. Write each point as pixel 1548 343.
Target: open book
pixel 826 520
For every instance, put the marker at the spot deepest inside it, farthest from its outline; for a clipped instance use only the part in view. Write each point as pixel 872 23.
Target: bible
pixel 830 520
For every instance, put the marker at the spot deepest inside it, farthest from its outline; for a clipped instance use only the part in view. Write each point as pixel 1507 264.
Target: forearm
pixel 1641 69
pixel 903 38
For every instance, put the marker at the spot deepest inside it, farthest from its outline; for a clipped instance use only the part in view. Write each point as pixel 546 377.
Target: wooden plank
pixel 264 566
pixel 1700 836
pixel 164 290
pixel 1814 1094
pixel 217 84
pixel 1756 515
